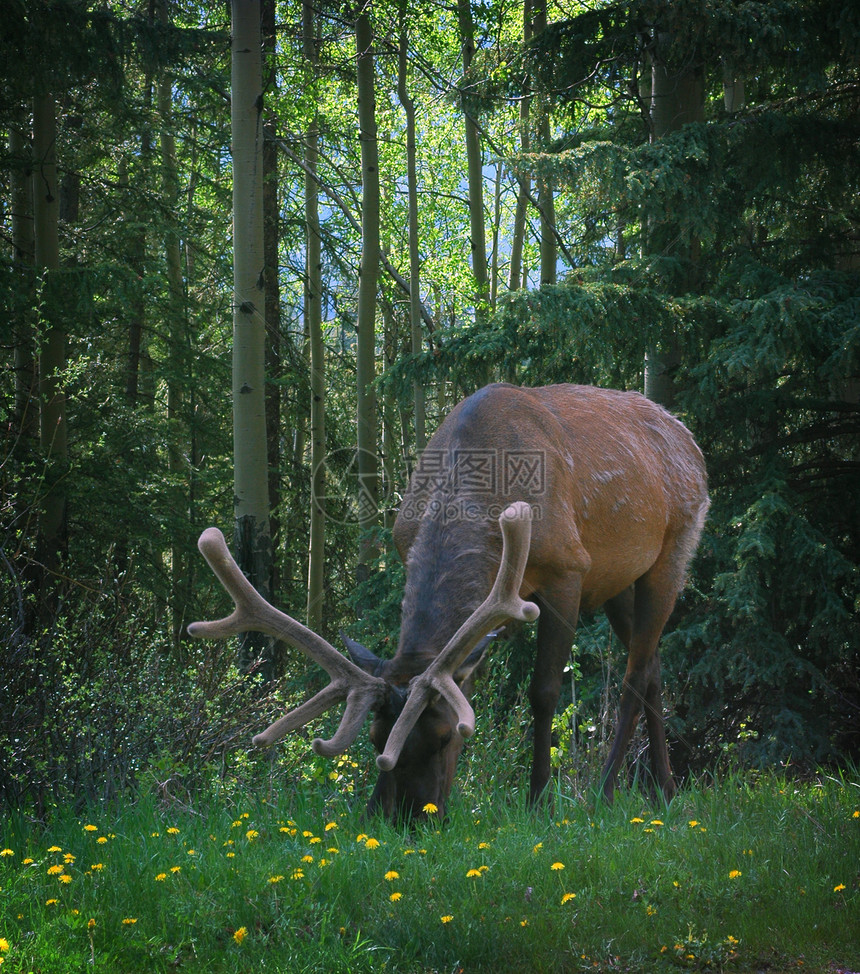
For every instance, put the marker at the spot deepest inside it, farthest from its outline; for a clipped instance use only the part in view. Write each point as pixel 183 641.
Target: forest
pixel 360 214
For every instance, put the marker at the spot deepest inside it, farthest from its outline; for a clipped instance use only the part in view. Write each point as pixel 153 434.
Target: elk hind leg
pixel 653 598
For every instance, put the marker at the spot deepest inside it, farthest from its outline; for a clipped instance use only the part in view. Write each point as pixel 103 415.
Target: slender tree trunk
pixel 250 473
pixel 271 214
pixel 177 331
pixel 52 353
pixel 516 277
pixel 416 337
pixel 546 196
pixel 368 467
pixel 26 393
pixel 474 165
pixel 313 322
pixel 677 99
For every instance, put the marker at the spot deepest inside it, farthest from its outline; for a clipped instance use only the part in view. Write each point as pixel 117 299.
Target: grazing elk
pixel 572 496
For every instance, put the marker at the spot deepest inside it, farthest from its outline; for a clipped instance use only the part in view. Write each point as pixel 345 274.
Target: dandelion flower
pixel 252 834
pixel 637 820
pixel 173 830
pixel 483 845
pixel 54 870
pixel 55 848
pixel 330 825
pixel 275 879
pixel 538 847
pixel 176 869
pixel 361 837
pixel 656 821
pixel 307 858
pixel 372 844
pixel 6 852
pixel 524 923
pixel 51 902
pixel 161 877
pixel 392 874
pixel 473 873
pixel 101 840
pixel 430 809
pixel 91 828
pixel 240 935
pixel 568 897
pixel 734 873
pixel 192 852
pixel 395 897
pixel 4 945
pixel 839 888
pixel 556 866
pixel 693 823
pixel 298 874
pixel 65 878
pixel 129 921
pixel 91 923
pixel 447 918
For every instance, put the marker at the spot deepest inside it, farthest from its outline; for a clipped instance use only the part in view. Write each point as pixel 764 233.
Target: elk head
pixel 420 720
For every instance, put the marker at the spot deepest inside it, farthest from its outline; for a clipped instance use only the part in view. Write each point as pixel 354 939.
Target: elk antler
pixel 361 691
pixel 503 603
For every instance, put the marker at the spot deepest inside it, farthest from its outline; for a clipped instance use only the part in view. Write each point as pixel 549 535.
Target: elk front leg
pixel 559 611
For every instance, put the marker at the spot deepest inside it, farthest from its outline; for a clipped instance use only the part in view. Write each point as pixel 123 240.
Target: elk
pixel 526 502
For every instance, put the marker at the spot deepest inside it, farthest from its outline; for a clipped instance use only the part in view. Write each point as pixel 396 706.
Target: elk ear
pixel 362 656
pixel 476 657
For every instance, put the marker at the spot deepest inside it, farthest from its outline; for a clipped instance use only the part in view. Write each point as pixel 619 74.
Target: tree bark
pixel 546 196
pixel 677 99
pixel 474 165
pixel 368 467
pixel 416 337
pixel 250 474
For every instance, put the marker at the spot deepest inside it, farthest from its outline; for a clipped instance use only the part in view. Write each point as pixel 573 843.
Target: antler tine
pixel 253 613
pixel 503 603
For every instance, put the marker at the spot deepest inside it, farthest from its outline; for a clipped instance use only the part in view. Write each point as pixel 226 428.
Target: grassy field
pixel 747 874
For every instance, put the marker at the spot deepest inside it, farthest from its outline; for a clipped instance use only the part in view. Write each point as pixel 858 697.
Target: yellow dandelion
pixel 330 826
pixel 524 923
pixel 65 878
pixel 155 835
pixel 101 840
pixel 568 897
pixel 91 828
pixel 55 848
pixel 372 844
pixel 637 820
pixel 392 874
pixel 51 902
pixel 91 923
pixel 4 945
pixel 483 869
pixel 556 866
pixel 430 809
pixel 298 874
pixel 161 877
pixel 316 840
pixel 252 834
pixel 537 847
pixel 275 879
pixel 856 813
pixel 483 845
pixel 6 852
pixel 97 867
pixel 447 918
pixel 361 837
pixel 69 858
pixel 176 869
pixel 307 858
pixel 734 873
pixel 650 910
pixel 395 897
pixel 240 935
pixel 656 821
pixel 28 861
pixel 473 873
pixel 192 852
pixel 692 823
pixel 173 830
pixel 54 870
pixel 129 921
pixel 839 888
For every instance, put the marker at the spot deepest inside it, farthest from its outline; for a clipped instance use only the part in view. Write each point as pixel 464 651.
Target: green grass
pixel 743 874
